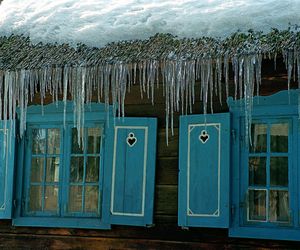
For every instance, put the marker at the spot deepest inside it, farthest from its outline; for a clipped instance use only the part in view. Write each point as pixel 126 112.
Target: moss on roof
pixel 17 52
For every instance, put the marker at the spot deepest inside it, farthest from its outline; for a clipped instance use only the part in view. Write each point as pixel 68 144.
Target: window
pixel 247 182
pixel 265 176
pixel 67 180
pixel 51 165
pixel 62 174
pixel 268 172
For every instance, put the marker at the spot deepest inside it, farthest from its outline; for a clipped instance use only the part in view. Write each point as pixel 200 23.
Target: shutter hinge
pixel 233 135
pixel 150 225
pixel 232 210
pixel 15 203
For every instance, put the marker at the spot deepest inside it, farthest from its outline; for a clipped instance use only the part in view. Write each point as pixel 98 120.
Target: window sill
pixel 61 222
pixel 265 233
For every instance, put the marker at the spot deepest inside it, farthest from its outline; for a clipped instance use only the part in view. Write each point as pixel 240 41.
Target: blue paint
pixel 95 116
pixel 280 107
pixel 204 144
pixel 7 163
pixel 132 170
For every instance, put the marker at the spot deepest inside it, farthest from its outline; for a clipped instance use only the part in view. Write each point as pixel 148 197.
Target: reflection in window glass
pixel 53 143
pixel 91 199
pixel 76 148
pixel 52 170
pixel 257 170
pixel 92 169
pixel 279 137
pixel 94 137
pixel 258 138
pixel 37 169
pixel 279 206
pixel 76 169
pixel 35 202
pixel 257 205
pixel 75 199
pixel 279 171
pixel 38 141
pixel 51 194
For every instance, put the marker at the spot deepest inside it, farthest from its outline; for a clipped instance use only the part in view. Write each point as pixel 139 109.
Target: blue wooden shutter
pixel 204 148
pixel 7 154
pixel 131 154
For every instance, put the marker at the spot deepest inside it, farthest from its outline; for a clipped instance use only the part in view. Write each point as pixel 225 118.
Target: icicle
pixel 235 65
pixel 226 72
pixel 178 82
pixel 140 69
pixel 65 91
pixel 258 62
pixel 241 65
pixel 290 62
pixel 21 103
pixel 166 85
pixel 275 60
pixel 211 84
pixel 219 77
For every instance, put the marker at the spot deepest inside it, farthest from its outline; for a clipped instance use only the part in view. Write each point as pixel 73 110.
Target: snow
pixel 98 22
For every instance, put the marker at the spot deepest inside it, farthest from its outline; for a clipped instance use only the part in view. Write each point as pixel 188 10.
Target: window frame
pixel 283 105
pixel 53 114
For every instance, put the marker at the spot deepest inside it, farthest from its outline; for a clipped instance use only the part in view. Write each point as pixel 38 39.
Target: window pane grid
pixel 275 191
pixel 47 193
pixel 85 184
pixel 44 194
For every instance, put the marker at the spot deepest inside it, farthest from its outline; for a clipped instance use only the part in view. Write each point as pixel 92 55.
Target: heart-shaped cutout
pixel 204 136
pixel 131 139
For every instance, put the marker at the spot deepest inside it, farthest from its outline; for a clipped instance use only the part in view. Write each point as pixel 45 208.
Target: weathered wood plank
pixel 167 171
pixel 166 199
pixel 164 150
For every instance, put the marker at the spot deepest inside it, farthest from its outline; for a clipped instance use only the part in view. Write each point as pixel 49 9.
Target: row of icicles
pixel 111 82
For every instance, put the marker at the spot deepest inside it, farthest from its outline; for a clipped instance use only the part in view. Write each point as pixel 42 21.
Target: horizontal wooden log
pixel 167 171
pixel 166 200
pixel 170 149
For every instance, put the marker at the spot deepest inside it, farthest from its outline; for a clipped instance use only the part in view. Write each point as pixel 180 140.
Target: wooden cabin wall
pixel 165 234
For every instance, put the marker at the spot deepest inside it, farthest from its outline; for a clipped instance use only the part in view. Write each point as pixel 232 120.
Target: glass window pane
pixel 53 141
pixel 259 138
pixel 94 135
pixel 279 206
pixel 37 169
pixel 52 169
pixel 51 194
pixel 257 171
pixel 92 169
pixel 76 169
pixel 76 149
pixel 35 202
pixel 38 141
pixel 91 199
pixel 75 199
pixel 279 171
pixel 279 137
pixel 257 205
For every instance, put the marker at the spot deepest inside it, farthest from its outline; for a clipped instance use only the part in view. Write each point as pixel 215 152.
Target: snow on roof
pixel 98 22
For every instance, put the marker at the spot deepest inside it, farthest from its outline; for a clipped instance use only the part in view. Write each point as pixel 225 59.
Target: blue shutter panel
pixel 7 154
pixel 204 153
pixel 132 165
